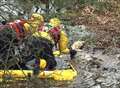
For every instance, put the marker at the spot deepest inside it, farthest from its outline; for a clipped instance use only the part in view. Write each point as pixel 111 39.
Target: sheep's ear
pixel 4 22
pixel 72 54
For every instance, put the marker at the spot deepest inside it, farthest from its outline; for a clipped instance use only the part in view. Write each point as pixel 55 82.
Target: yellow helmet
pixel 43 63
pixel 37 16
pixel 55 22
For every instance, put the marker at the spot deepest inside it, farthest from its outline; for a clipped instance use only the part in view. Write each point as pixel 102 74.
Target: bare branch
pixel 3 17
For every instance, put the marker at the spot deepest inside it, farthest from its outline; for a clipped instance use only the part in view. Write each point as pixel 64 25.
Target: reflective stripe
pixel 20 27
pixel 13 25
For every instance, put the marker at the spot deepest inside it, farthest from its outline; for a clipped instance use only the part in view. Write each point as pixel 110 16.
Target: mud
pixel 97 70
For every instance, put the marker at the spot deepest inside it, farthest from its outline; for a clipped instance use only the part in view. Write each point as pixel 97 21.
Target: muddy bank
pixel 97 70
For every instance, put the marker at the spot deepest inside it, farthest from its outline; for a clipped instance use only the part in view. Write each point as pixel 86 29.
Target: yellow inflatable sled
pixel 64 71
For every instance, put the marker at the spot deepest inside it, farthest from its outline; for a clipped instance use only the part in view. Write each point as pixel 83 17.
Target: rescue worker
pixel 59 36
pixel 25 27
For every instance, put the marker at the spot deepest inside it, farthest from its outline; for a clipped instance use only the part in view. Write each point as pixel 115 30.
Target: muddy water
pixel 97 70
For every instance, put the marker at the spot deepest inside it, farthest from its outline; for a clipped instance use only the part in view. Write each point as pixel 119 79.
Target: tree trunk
pixel 47 6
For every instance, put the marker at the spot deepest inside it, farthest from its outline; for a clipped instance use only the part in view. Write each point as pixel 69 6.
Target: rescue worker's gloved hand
pixel 43 63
